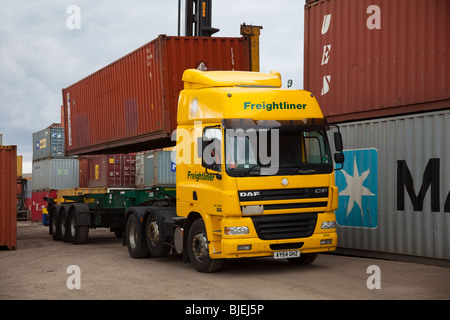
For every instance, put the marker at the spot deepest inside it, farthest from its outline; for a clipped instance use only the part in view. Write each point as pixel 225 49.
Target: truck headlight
pixel 328 225
pixel 232 231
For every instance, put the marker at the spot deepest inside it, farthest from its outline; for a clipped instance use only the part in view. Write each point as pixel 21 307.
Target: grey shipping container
pixel 48 143
pixel 55 174
pixel 394 189
pixel 155 168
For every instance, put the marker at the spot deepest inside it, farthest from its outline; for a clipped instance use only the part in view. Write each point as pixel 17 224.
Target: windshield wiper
pixel 250 169
pixel 303 169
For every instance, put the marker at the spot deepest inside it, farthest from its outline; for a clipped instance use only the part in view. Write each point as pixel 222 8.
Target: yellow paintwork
pixel 253 33
pixel 210 97
pixel 196 79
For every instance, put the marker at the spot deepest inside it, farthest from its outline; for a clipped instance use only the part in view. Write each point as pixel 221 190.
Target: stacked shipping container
pixel 49 143
pixel 383 63
pixel 8 182
pixel 376 58
pixel 51 170
pixel 108 171
pixel 155 168
pixel 131 104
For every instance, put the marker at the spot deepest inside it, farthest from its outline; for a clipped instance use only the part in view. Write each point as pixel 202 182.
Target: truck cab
pixel 254 170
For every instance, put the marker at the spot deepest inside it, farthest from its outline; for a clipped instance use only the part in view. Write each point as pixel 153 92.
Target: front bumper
pixel 250 245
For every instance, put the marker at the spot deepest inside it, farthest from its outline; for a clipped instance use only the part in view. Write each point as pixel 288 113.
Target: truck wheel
pixel 78 233
pixel 54 225
pixel 304 259
pixel 137 246
pixel 64 225
pixel 155 235
pixel 198 249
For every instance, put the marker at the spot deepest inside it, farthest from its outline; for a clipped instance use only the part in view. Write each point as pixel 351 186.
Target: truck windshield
pixel 268 147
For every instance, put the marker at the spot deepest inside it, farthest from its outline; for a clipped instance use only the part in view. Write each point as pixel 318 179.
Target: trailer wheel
pixel 64 225
pixel 155 235
pixel 304 259
pixel 198 249
pixel 79 234
pixel 137 246
pixel 54 225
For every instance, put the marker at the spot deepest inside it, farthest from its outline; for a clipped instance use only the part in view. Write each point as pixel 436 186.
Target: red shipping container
pixel 131 104
pixel 376 58
pixel 112 171
pixel 8 188
pixel 38 203
pixel 84 171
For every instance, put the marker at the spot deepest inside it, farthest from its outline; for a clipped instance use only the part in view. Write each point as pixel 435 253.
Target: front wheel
pixel 198 249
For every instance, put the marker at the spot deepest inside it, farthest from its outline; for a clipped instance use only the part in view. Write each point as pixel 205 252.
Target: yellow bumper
pixel 250 245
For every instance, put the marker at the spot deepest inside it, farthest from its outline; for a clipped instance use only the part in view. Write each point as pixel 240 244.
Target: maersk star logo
pixel 358 188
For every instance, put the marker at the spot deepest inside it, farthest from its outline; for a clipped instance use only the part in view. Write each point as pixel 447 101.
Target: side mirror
pixel 339 158
pixel 338 142
pixel 339 146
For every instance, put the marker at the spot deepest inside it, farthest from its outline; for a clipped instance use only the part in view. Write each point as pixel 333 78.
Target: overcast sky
pixel 40 55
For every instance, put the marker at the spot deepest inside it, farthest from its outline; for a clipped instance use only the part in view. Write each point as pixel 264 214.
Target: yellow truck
pixel 254 175
pixel 254 178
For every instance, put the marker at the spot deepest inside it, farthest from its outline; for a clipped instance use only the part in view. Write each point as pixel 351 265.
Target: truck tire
pixel 55 229
pixel 304 259
pixel 137 246
pixel 79 234
pixel 155 235
pixel 198 249
pixel 64 224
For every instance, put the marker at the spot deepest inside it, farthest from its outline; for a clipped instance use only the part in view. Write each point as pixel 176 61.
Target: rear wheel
pixel 198 249
pixel 137 246
pixel 64 226
pixel 54 225
pixel 155 235
pixel 79 234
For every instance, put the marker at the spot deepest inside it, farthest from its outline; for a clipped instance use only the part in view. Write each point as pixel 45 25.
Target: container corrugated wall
pixel 48 143
pixel 38 203
pixel 111 171
pixel 8 181
pixel 133 101
pixel 394 190
pixel 155 168
pixel 55 174
pixel 376 58
pixel 159 168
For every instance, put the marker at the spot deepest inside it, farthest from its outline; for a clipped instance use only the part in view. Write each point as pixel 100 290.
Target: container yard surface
pixel 366 59
pixel 38 269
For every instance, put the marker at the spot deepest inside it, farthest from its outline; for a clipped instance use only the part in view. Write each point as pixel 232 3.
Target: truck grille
pixel 283 194
pixel 256 197
pixel 285 226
